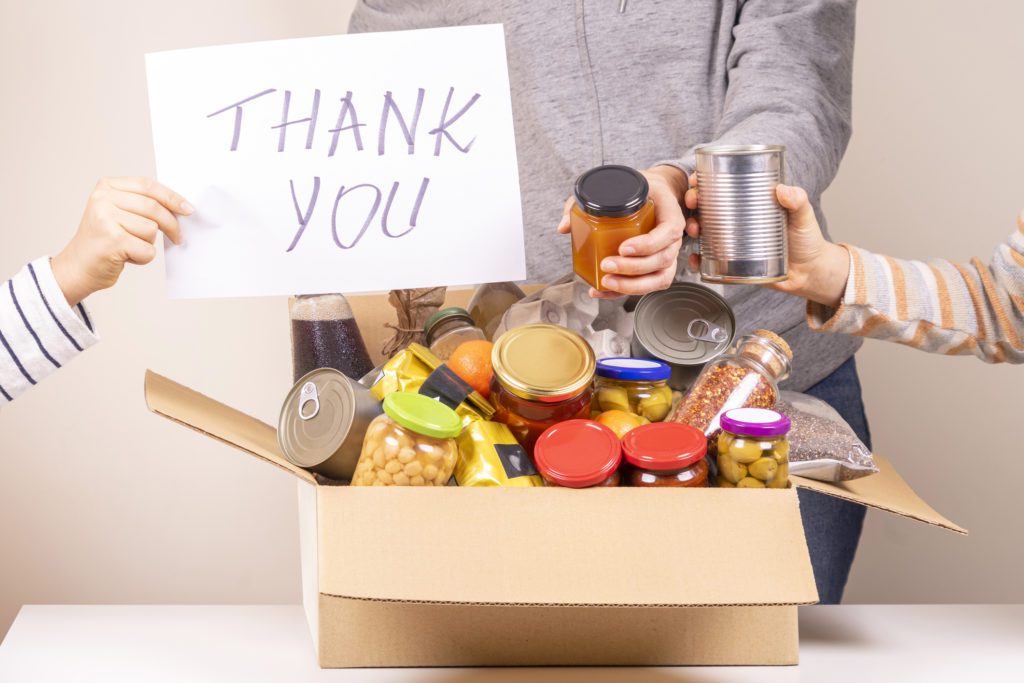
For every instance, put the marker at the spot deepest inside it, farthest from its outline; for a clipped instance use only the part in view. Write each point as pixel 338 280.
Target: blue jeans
pixel 833 526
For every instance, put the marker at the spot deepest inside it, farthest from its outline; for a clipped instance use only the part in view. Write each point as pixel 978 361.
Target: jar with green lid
pixel 411 444
pixel 634 385
pixel 543 375
pixel 448 328
pixel 753 451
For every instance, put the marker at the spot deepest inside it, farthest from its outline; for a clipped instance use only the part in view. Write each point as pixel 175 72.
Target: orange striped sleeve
pixel 976 300
pixel 899 287
pixel 1003 324
pixel 945 305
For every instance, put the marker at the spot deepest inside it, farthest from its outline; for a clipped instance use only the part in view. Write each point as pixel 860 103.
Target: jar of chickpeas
pixel 753 451
pixel 411 444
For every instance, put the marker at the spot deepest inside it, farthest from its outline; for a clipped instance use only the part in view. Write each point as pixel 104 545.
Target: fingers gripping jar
pixel 753 451
pixel 746 377
pixel 611 207
pixel 411 444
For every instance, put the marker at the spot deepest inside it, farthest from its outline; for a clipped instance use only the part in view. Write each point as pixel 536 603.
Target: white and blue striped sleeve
pixel 39 331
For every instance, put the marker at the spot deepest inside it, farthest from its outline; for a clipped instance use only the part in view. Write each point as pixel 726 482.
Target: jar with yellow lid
pixel 543 375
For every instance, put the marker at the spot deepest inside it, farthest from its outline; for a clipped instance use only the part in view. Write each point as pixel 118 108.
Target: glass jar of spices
pixel 611 206
pixel 745 377
pixel 448 328
pixel 543 375
pixel 753 451
pixel 666 454
pixel 578 454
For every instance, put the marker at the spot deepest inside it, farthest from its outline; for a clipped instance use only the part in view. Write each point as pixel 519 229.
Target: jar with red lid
pixel 578 454
pixel 543 375
pixel 666 454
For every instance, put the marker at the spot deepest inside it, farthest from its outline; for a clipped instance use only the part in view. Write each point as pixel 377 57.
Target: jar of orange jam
pixel 611 206
pixel 543 375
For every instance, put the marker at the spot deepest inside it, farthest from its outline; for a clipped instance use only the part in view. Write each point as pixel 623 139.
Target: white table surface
pixel 863 643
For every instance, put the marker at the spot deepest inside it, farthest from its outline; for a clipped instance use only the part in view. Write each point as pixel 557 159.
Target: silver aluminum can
pixel 742 225
pixel 686 326
pixel 323 421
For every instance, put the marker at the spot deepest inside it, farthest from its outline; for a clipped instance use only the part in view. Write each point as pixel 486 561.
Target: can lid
pixel 543 362
pixel 735 150
pixel 686 324
pixel 635 369
pixel 577 453
pixel 316 417
pixel 611 190
pixel 422 414
pixel 755 422
pixel 664 446
pixel 444 315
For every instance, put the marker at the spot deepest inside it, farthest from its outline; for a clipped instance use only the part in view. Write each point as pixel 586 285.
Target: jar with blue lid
pixel 634 385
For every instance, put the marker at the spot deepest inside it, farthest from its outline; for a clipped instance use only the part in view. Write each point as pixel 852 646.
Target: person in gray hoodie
pixel 645 82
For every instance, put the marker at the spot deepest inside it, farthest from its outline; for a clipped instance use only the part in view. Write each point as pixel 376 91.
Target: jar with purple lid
pixel 753 451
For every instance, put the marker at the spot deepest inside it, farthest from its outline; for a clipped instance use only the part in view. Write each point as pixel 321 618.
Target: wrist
pixel 73 289
pixel 828 285
pixel 674 176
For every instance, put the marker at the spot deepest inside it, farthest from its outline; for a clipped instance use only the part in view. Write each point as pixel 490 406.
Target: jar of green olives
pixel 634 385
pixel 753 451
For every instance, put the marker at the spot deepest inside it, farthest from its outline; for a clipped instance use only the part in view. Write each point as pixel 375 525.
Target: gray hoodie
pixel 592 85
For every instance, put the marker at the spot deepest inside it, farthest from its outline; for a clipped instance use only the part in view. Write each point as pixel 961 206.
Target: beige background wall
pixel 101 502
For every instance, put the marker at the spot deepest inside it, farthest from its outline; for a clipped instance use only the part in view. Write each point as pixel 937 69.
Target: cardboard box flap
pixel 192 409
pixel 552 546
pixel 885 490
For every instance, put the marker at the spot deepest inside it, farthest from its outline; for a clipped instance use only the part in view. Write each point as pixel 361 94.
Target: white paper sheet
pixel 252 180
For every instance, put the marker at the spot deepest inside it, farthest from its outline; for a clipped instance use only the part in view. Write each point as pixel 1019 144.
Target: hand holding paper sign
pixel 120 225
pixel 344 163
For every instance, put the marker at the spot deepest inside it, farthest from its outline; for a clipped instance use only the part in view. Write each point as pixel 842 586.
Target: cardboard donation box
pixel 450 576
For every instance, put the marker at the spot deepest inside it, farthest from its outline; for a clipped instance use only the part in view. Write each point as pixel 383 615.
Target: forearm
pixel 790 73
pixel 938 306
pixel 39 330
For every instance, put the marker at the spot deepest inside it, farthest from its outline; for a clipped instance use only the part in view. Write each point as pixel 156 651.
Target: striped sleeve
pixel 39 331
pixel 936 306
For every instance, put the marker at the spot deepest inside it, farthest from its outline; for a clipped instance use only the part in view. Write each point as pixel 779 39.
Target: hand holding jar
pixel 646 260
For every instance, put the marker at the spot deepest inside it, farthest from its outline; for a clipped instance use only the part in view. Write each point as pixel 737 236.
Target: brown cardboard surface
pixel 359 633
pixel 885 490
pixel 373 312
pixel 554 546
pixel 203 414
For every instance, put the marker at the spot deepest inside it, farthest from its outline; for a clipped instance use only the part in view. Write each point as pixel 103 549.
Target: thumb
pixel 563 225
pixel 794 201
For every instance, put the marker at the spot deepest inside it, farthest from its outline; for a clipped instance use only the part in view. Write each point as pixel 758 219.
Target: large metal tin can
pixel 686 326
pixel 742 224
pixel 323 421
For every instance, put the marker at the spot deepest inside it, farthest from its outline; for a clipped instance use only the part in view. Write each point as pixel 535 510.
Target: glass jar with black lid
pixel 611 206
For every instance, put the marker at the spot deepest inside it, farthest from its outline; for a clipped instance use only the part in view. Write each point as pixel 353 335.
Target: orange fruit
pixel 471 361
pixel 620 422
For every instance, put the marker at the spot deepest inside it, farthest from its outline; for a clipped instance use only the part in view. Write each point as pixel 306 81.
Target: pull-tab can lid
pixel 686 324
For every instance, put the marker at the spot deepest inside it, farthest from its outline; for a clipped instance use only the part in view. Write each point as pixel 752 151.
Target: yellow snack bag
pixel 416 369
pixel 490 456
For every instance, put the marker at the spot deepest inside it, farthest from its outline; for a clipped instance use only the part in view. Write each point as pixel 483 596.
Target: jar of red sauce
pixel 543 375
pixel 666 454
pixel 578 454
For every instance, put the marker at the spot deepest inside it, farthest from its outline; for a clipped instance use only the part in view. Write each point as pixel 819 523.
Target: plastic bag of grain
pixel 822 445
